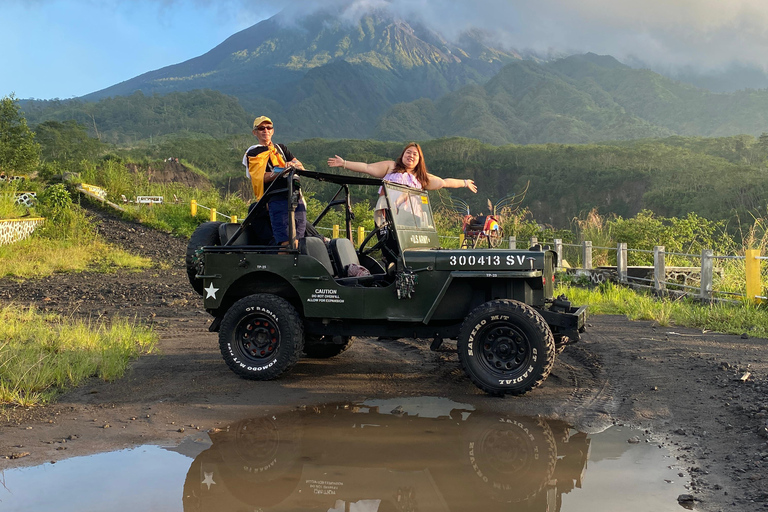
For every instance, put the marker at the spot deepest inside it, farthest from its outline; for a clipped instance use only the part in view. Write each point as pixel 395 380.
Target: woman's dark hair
pixel 421 168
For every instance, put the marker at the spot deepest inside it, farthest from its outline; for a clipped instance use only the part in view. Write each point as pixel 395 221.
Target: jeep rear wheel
pixel 324 347
pixel 506 347
pixel 205 235
pixel 261 337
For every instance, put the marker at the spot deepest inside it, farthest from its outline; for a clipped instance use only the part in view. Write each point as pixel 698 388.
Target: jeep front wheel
pixel 506 347
pixel 261 337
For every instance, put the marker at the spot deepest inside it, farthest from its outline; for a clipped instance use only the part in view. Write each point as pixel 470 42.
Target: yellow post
pixel 360 235
pixel 754 286
pixel 193 207
pixel 213 214
pixel 335 231
pixel 234 219
pixel 461 240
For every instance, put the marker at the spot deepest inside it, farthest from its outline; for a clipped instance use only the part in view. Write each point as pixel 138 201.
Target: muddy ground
pixel 704 396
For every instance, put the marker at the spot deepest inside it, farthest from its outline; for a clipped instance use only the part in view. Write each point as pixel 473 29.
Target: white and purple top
pixel 402 178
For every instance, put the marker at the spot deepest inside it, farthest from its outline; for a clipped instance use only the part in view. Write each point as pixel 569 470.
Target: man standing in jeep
pixel 264 163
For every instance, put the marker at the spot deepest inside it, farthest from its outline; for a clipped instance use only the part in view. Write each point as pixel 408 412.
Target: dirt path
pixel 683 386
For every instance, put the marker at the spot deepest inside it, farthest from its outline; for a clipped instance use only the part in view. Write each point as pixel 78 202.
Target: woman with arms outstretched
pixel 409 170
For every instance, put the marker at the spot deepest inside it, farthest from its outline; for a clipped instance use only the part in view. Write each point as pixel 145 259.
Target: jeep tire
pixel 506 347
pixel 261 336
pixel 206 234
pixel 514 458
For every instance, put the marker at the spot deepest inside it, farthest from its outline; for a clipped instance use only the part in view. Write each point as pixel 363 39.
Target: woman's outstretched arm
pixel 436 183
pixel 376 169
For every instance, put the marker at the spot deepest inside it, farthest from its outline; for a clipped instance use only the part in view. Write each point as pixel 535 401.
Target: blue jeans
pixel 278 216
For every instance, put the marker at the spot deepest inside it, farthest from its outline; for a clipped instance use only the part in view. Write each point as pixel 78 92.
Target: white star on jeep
pixel 208 480
pixel 211 291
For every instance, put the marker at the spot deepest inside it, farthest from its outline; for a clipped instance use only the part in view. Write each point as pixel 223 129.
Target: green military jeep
pixel 272 304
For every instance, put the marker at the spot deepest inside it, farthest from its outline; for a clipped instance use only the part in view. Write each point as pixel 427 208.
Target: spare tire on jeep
pixel 206 235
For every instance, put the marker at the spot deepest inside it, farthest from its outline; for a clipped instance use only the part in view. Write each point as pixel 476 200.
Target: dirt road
pixel 690 390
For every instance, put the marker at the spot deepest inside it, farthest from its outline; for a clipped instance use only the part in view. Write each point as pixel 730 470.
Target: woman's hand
pixel 470 184
pixel 336 161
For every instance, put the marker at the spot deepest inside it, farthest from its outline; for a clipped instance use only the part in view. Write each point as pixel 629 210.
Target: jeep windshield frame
pixel 411 215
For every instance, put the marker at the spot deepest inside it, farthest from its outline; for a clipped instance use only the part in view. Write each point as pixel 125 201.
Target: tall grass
pixel 43 354
pixel 8 207
pixel 37 257
pixel 65 243
pixel 721 317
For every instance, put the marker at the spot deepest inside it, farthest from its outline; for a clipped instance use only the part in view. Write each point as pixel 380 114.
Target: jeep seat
pixel 228 229
pixel 344 254
pixel 315 247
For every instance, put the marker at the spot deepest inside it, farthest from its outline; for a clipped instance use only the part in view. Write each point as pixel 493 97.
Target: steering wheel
pixel 382 239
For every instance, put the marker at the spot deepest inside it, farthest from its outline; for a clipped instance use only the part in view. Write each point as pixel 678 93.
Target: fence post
pixel 193 208
pixel 234 219
pixel 707 271
pixel 513 242
pixel 461 240
pixel 534 241
pixel 213 214
pixel 659 269
pixel 360 235
pixel 559 251
pixel 754 286
pixel 621 262
pixel 335 231
pixel 586 254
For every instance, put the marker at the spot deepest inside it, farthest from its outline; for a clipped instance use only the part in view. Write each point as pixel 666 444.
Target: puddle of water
pixel 425 454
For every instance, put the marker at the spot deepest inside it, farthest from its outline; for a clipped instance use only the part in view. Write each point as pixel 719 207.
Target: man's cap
pixel 261 119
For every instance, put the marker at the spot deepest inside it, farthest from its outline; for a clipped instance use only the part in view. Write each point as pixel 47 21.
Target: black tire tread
pixel 292 322
pixel 529 314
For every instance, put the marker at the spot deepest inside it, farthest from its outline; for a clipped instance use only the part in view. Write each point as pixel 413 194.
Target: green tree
pixel 19 153
pixel 67 141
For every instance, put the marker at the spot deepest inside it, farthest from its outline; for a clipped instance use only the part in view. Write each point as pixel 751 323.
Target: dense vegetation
pixel 128 119
pixel 720 179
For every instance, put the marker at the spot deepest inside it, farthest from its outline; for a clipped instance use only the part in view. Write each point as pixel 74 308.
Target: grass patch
pixel 40 257
pixel 43 354
pixel 610 299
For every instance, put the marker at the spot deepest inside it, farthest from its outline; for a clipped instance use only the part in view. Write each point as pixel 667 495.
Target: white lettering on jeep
pixel 325 295
pixel 494 260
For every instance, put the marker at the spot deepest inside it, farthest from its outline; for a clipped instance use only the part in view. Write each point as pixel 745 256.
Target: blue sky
pixel 66 48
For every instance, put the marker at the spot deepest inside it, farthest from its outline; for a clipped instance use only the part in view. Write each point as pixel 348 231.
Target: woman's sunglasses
pixel 262 127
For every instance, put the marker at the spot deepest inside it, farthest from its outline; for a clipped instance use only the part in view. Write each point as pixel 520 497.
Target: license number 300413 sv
pixel 491 260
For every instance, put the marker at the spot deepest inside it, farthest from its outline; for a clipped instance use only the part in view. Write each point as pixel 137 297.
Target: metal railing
pixel 657 276
pixel 194 205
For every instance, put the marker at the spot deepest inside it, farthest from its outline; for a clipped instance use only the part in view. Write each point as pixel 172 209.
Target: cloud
pixel 703 33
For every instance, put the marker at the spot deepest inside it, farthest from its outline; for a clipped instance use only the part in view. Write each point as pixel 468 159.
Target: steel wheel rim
pixel 257 338
pixel 504 451
pixel 506 349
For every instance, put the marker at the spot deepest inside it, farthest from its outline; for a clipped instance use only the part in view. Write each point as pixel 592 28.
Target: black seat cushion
pixel 315 247
pixel 344 255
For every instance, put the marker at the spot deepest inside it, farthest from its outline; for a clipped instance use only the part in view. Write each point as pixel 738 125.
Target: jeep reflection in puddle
pixel 377 456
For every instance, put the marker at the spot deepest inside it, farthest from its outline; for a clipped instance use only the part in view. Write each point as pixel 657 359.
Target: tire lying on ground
pixel 206 234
